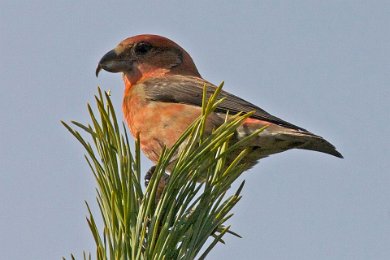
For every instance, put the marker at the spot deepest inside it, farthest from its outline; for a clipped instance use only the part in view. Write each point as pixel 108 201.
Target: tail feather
pixel 309 141
pixel 317 143
pixel 276 139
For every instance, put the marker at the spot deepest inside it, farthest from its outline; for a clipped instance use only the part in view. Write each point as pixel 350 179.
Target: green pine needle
pixel 188 218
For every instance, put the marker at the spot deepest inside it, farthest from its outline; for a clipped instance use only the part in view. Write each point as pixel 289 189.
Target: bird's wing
pixel 189 90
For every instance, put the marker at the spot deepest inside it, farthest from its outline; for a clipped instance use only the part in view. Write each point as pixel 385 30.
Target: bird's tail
pixel 309 141
pixel 317 143
pixel 275 139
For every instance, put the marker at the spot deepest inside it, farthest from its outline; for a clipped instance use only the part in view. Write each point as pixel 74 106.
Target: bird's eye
pixel 142 48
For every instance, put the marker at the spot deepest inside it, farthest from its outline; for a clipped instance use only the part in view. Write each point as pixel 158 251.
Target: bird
pixel 163 97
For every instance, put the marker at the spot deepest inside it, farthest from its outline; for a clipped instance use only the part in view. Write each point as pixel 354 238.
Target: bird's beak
pixel 113 62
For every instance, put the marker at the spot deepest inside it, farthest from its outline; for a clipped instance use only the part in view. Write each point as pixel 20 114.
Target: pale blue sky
pixel 323 65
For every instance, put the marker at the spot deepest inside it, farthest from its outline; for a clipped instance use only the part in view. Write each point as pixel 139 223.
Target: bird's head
pixel 147 56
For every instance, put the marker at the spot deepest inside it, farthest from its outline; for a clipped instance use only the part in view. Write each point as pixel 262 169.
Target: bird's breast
pixel 157 124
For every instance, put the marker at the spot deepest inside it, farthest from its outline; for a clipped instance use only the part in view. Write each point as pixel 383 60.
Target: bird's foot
pixel 162 183
pixel 149 175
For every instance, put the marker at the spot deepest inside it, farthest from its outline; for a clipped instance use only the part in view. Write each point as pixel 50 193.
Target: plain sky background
pixel 323 65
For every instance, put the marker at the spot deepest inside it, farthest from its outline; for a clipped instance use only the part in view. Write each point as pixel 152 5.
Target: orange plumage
pixel 163 93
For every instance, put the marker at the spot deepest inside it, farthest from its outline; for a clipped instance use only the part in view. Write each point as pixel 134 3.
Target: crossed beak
pixel 113 62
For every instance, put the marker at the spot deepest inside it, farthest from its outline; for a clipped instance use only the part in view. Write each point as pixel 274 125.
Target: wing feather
pixel 189 90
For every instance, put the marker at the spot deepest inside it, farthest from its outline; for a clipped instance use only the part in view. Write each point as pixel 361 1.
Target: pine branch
pixel 173 223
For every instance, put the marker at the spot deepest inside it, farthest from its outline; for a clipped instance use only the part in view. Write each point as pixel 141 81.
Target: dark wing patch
pixel 189 90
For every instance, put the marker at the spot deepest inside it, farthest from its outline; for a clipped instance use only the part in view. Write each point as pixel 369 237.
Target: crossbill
pixel 163 96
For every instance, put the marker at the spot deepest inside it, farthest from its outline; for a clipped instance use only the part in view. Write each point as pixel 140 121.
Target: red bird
pixel 163 96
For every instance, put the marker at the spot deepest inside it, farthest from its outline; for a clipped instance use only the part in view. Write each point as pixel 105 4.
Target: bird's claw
pixel 161 184
pixel 149 175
